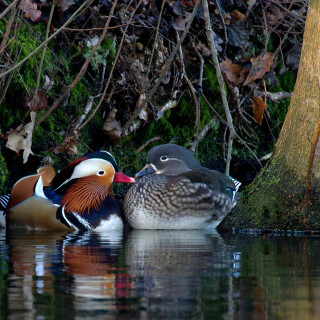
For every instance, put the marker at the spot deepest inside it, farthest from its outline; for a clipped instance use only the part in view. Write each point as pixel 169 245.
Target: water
pixel 158 275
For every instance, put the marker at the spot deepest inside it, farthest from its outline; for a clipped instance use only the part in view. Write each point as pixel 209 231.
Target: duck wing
pixel 200 190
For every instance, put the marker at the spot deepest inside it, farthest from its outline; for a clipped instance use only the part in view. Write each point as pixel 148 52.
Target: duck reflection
pixel 52 264
pixel 185 266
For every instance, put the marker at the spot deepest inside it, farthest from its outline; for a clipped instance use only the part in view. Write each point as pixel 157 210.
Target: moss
pixel 3 174
pixel 78 96
pixel 277 207
pixel 104 55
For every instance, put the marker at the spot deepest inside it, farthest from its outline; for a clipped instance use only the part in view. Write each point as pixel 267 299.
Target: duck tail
pixel 235 196
pixel 4 201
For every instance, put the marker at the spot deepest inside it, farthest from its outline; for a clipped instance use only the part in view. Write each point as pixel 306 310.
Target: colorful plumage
pixel 77 198
pixel 173 191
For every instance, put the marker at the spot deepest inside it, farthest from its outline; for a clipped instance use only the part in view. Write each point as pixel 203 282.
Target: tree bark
pixel 277 197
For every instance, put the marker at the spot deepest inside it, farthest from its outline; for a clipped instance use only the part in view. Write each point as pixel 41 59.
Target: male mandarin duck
pixel 78 198
pixel 175 192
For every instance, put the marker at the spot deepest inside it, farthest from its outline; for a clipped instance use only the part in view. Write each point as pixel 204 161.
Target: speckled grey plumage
pixel 177 193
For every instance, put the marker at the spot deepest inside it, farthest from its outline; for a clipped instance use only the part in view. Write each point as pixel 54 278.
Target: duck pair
pixel 173 191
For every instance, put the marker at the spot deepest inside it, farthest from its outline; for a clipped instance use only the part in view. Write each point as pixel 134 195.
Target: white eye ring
pixel 100 173
pixel 164 158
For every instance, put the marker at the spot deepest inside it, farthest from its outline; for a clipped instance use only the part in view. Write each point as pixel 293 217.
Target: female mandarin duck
pixel 78 198
pixel 175 192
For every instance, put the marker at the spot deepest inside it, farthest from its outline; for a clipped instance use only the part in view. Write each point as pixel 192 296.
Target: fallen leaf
pixel 143 115
pixel 64 5
pixel 233 72
pixel 40 102
pixel 260 66
pixel 238 34
pixel 48 84
pixel 258 106
pixel 179 23
pixel 112 127
pixel 69 146
pixel 237 16
pixel 178 8
pixel 189 3
pixel 275 16
pixel 251 3
pixel 30 10
pixel 21 138
pixel 204 50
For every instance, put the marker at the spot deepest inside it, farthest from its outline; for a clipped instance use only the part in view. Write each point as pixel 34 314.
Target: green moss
pixel 78 96
pixel 3 174
pixel 104 55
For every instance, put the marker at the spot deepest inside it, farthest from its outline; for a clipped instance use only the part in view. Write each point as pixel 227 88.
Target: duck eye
pixel 101 173
pixel 164 158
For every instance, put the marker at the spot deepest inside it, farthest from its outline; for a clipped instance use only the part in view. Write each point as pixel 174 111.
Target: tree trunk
pixel 284 194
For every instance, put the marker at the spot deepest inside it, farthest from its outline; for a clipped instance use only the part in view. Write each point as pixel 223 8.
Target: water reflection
pixel 178 272
pixel 75 269
pixel 157 275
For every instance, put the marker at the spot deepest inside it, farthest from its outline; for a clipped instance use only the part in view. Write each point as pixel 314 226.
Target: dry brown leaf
pixel 69 146
pixel 40 102
pixel 21 138
pixel 275 16
pixel 179 23
pixel 112 127
pixel 30 10
pixel 204 50
pixel 233 72
pixel 258 106
pixel 237 16
pixel 260 66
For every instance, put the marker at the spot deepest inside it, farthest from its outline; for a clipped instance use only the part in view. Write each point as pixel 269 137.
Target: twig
pixel 8 9
pixel 193 93
pixel 164 70
pixel 201 69
pixel 46 41
pixel 147 142
pixel 98 29
pixel 172 103
pixel 226 124
pixel 18 52
pixel 202 134
pixel 153 47
pixel 266 30
pixel 198 139
pixel 266 157
pixel 8 29
pixel 112 69
pixel 277 96
pixel 296 17
pixel 224 28
pixel 85 113
pixel 81 72
pixel 220 80
pixel 42 56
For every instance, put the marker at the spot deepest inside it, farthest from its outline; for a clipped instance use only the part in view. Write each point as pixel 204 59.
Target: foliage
pixel 3 174
pixel 248 61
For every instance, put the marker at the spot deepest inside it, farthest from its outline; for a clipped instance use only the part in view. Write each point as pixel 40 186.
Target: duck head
pixel 87 181
pixel 170 160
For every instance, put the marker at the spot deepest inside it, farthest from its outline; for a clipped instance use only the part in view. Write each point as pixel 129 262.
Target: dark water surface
pixel 158 275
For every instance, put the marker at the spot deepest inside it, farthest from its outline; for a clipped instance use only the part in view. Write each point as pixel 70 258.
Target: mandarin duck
pixel 173 191
pixel 77 198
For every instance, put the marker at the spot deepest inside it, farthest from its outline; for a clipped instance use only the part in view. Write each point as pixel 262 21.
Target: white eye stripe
pixel 164 158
